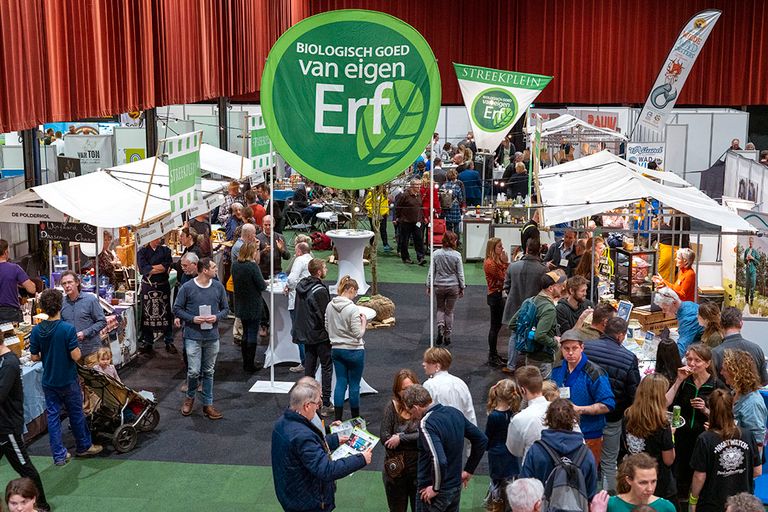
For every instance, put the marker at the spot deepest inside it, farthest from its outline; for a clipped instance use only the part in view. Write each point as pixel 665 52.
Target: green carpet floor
pixel 393 270
pixel 131 486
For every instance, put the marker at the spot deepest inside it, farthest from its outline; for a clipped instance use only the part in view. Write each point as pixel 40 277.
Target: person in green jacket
pixel 546 329
pixel 751 260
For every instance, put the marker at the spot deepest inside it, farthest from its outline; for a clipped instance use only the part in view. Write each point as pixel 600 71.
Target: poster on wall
pixel 643 153
pixel 350 98
pixel 134 154
pixel 93 151
pixel 496 99
pixel 751 294
pixel 68 167
pixel 184 179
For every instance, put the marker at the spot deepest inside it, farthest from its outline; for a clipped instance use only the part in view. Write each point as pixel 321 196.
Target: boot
pixel 248 351
pixel 338 413
pixel 355 412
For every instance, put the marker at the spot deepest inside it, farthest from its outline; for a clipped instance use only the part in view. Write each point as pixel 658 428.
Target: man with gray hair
pixel 442 430
pixel 686 312
pixel 278 250
pixel 188 268
pixel 525 495
pixel 303 472
pixel 744 502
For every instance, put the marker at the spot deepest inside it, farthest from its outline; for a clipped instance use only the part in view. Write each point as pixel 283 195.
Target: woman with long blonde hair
pixel 589 267
pixel 694 384
pixel 495 267
pixel 646 429
pixel 749 408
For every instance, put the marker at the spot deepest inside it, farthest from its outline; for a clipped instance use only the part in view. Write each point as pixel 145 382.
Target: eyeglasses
pixel 318 403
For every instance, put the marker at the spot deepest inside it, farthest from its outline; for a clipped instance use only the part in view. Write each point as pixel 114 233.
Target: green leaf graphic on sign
pixel 400 125
pixel 507 115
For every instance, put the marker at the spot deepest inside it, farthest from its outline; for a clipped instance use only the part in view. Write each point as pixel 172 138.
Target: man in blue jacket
pixel 442 430
pixel 622 368
pixel 302 469
pixel 586 385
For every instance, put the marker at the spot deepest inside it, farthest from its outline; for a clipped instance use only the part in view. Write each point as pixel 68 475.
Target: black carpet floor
pixel 244 435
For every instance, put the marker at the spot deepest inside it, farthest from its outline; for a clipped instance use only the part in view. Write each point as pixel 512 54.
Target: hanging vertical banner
pixel 94 151
pixel 675 71
pixel 496 99
pixel 350 98
pixel 260 154
pixel 184 179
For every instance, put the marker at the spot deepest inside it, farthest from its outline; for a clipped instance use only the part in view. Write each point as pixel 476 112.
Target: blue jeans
pixel 447 500
pixel 69 397
pixel 202 361
pixel 292 312
pixel 349 366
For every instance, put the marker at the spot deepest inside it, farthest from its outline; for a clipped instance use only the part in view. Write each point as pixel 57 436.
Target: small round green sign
pixel 494 109
pixel 350 98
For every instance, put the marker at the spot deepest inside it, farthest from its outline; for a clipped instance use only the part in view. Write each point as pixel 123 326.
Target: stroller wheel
pixel 124 439
pixel 150 421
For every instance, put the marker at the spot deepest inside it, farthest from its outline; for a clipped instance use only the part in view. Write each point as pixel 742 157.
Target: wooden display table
pixel 652 320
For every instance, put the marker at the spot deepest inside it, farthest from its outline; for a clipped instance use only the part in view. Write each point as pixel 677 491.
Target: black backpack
pixel 565 489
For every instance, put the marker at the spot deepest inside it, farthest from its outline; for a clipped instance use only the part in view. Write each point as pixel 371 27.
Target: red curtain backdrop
pixel 62 61
pixel 599 51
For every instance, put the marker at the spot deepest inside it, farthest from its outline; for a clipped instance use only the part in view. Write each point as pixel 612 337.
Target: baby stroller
pixel 116 411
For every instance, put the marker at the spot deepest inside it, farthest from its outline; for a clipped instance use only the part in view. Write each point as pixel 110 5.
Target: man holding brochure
pixel 201 304
pixel 303 471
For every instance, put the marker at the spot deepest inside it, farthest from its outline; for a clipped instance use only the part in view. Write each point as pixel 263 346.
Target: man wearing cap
pixel 586 385
pixel 545 336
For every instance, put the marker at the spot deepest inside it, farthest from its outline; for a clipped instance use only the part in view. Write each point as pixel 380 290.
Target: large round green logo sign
pixel 350 98
pixel 494 109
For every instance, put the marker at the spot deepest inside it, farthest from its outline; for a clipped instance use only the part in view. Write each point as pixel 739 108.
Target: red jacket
pixel 425 202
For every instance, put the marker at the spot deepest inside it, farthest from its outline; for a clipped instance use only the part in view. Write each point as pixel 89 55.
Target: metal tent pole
pixel 432 246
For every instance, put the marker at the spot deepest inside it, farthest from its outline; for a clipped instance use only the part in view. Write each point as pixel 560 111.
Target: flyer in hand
pixel 346 428
pixel 359 441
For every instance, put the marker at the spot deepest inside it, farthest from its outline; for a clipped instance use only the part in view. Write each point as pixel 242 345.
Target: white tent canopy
pixel 567 122
pixel 113 197
pixel 224 163
pixel 601 182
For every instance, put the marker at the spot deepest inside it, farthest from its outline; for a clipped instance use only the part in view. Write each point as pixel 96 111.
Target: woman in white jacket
pixel 346 326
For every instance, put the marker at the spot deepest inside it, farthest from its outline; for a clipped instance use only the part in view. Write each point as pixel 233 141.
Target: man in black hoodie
pixel 12 422
pixel 312 298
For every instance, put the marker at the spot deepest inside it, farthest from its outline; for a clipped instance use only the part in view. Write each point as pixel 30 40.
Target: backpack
pixel 446 198
pixel 526 322
pixel 565 489
pixel 320 241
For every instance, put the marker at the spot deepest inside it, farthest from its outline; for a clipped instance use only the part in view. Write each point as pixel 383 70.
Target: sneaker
pixel 211 413
pixel 146 349
pixel 422 262
pixel 446 340
pixel 171 348
pixel 387 248
pixel 299 368
pixel 237 341
pixel 95 449
pixel 65 461
pixel 326 411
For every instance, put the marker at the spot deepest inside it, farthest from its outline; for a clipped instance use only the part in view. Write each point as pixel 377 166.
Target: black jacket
pixel 11 395
pixel 567 316
pixel 622 368
pixel 312 298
